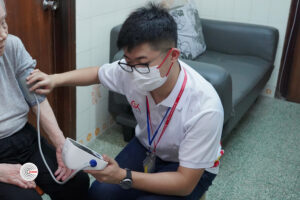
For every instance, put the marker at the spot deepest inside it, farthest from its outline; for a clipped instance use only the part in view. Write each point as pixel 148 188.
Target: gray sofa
pixel 238 62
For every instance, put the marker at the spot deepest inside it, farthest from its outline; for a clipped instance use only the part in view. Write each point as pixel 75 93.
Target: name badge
pixel 149 163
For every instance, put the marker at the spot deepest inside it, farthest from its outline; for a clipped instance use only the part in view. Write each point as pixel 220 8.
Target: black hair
pixel 150 24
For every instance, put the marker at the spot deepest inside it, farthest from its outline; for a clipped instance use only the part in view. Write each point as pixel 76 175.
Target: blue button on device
pixel 93 163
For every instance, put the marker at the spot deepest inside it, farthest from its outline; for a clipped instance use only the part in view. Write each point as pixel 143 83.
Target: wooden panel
pixel 286 63
pixel 28 21
pixel 65 59
pixel 49 37
pixel 294 82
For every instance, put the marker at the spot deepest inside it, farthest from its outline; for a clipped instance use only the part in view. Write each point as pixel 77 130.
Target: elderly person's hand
pixel 10 173
pixel 62 172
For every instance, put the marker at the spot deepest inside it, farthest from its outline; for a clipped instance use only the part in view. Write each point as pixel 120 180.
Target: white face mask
pixel 150 81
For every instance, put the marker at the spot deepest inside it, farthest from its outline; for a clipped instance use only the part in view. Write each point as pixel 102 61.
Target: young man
pixel 180 116
pixel 18 139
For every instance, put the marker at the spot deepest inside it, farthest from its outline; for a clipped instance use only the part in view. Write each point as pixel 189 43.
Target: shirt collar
pixel 170 100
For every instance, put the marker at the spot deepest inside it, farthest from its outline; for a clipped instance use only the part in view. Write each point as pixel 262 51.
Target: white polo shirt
pixel 193 135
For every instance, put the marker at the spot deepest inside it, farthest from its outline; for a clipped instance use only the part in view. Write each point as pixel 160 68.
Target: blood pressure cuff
pixel 29 96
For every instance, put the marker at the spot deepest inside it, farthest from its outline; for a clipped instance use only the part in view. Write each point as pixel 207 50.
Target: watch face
pixel 126 183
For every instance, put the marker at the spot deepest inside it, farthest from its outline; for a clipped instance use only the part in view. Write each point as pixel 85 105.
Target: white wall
pixel 264 12
pixel 95 18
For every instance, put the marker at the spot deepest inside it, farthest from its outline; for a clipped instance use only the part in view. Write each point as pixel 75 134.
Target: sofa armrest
pixel 241 39
pixel 220 80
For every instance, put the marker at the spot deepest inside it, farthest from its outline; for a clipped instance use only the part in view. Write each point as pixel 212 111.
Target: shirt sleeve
pixel 201 144
pixel 31 99
pixel 113 77
pixel 24 65
pixel 23 60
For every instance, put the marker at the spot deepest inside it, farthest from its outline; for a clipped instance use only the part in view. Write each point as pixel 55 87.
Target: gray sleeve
pixel 23 60
pixel 31 98
pixel 24 65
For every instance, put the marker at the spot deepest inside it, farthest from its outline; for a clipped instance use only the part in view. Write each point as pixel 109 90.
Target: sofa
pixel 238 62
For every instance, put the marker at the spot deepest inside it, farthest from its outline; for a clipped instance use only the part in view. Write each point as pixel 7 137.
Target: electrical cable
pixel 42 154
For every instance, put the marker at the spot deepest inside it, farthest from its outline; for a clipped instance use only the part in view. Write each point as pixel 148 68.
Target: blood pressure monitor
pixel 75 154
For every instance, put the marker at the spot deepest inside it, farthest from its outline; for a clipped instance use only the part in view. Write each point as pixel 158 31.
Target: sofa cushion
pixel 190 36
pixel 245 71
pixel 220 80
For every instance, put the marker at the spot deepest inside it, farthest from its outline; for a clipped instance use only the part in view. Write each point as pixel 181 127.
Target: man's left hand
pixel 112 173
pixel 62 172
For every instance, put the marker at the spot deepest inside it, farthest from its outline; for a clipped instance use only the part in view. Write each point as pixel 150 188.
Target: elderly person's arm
pixel 50 126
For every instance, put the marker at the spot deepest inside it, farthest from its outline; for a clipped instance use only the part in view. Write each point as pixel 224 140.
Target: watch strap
pixel 128 174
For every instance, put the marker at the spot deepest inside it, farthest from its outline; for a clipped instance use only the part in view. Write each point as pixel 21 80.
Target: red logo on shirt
pixel 135 105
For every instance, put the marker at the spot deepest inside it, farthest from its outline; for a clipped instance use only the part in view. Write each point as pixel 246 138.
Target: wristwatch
pixel 126 183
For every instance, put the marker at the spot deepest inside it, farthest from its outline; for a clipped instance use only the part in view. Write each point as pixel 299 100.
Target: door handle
pixel 47 4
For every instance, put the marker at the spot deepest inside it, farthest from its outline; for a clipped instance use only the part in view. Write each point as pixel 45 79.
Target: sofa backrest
pixel 241 39
pixel 229 37
pixel 113 42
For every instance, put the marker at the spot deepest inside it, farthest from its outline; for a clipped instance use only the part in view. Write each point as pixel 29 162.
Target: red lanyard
pixel 169 116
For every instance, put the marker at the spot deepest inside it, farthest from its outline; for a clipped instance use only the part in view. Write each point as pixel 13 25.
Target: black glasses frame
pixel 129 68
pixel 145 66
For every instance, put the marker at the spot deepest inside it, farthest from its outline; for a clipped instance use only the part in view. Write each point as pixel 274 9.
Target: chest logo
pixel 135 105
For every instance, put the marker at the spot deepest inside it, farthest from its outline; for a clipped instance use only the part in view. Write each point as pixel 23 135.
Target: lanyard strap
pixel 149 123
pixel 169 117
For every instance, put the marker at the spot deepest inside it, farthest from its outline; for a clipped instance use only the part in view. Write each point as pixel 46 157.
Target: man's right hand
pixel 10 173
pixel 41 83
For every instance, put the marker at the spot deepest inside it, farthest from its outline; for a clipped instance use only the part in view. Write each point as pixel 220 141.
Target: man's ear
pixel 175 54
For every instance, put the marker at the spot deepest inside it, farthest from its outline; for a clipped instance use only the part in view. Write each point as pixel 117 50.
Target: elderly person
pixel 18 139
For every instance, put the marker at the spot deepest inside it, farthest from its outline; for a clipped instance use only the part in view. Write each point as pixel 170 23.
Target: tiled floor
pixel 261 158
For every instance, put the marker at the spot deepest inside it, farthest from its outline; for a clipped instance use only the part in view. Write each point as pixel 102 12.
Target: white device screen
pixel 84 148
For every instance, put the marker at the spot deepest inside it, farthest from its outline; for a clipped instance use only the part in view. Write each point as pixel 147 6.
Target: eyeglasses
pixel 142 68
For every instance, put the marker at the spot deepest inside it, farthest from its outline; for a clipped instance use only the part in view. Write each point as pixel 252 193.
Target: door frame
pixel 288 51
pixel 65 60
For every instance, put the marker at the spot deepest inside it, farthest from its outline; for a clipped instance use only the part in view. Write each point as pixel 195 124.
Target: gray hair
pixel 2 4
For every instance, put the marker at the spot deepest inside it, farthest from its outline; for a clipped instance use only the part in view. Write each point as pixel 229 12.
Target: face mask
pixel 150 81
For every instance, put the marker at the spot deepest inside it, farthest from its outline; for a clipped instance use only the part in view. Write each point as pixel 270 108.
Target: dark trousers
pixel 132 157
pixel 22 147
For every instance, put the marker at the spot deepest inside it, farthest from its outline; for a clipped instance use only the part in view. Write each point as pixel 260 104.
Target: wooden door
pixel 49 37
pixel 294 81
pixel 289 74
